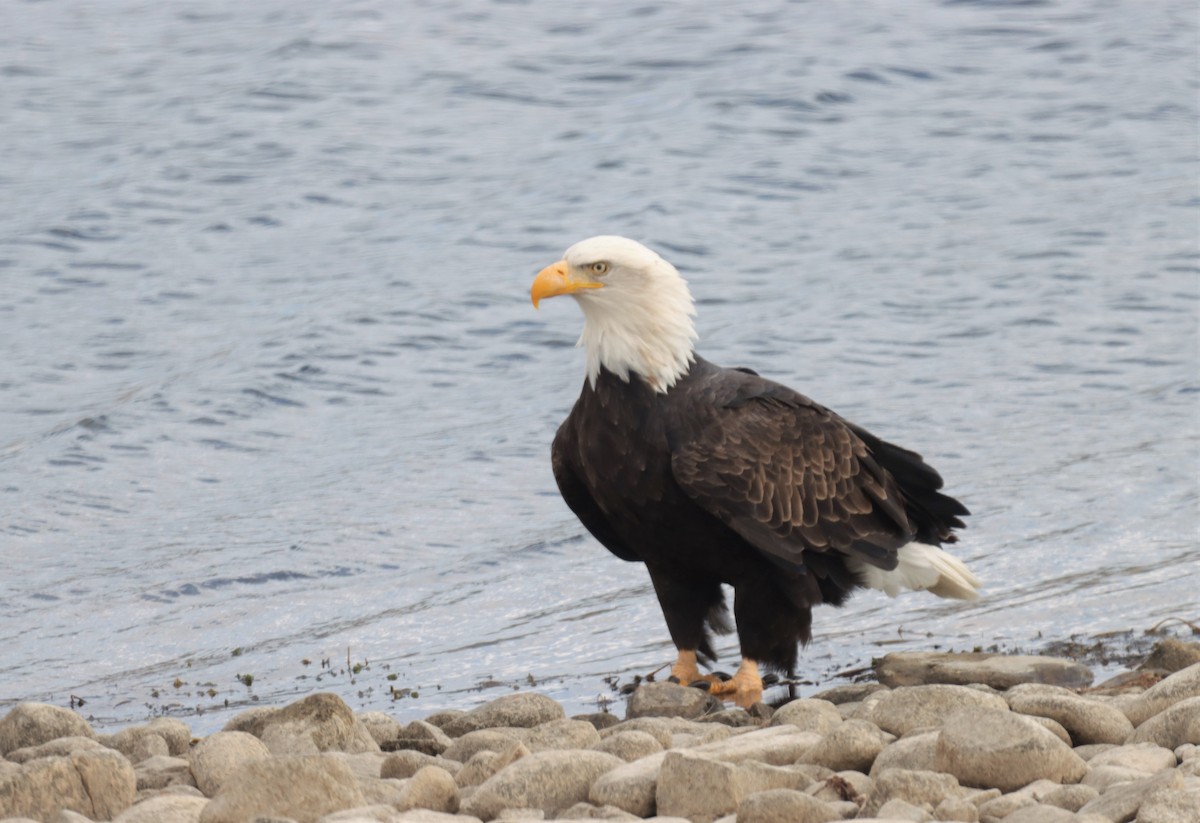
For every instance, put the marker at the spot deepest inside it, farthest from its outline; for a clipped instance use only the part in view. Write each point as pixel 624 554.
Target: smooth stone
pixel 303 787
pixel 561 734
pixel 524 710
pixel 1172 654
pixel 701 787
pixel 1000 671
pixel 1121 802
pixel 957 808
pixel 1040 813
pixel 849 693
pixel 1145 757
pixel 406 763
pixel 808 715
pixel 586 811
pixel 989 748
pixel 62 747
pixel 842 786
pixel 631 787
pixel 32 724
pixel 430 788
pixel 420 736
pixel 147 746
pixel 161 771
pixel 426 816
pixel 174 733
pixel 1087 721
pixel 1173 727
pixel 1072 797
pixel 317 723
pixel 471 743
pixel 784 806
pixel 903 709
pixel 915 787
pixel 218 756
pixel 916 753
pixel 852 745
pixel 670 700
pixel 629 745
pixel 1168 805
pixel 897 809
pixel 1182 685
pixel 383 728
pixel 549 780
pixel 164 808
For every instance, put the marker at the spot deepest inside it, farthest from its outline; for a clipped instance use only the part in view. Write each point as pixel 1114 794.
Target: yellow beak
pixel 555 280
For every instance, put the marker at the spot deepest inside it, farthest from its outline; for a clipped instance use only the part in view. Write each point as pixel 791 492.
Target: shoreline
pixel 974 736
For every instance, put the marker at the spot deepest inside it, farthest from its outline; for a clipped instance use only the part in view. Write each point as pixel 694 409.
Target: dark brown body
pixel 731 478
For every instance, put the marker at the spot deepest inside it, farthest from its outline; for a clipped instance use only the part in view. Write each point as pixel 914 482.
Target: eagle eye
pixel 599 268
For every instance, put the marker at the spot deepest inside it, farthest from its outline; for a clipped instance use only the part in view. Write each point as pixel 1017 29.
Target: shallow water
pixel 274 393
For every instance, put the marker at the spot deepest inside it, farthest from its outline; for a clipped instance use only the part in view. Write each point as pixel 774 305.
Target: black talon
pixel 703 685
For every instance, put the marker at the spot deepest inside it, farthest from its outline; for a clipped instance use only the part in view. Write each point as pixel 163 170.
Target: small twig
pixel 1168 620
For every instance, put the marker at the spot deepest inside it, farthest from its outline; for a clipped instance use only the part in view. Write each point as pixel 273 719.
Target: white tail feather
pixel 924 567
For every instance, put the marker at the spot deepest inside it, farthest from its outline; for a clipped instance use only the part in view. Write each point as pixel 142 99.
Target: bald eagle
pixel 713 476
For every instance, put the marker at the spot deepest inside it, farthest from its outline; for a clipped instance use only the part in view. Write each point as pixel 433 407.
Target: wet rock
pixel 303 788
pixel 701 787
pixel 165 808
pixel 808 715
pixel 990 748
pixel 430 788
pixel 524 711
pixel 1171 727
pixel 903 709
pixel 62 747
pixel 1121 802
pixel 629 745
pixel 631 787
pixel 471 743
pixel 670 700
pixel 1087 721
pixel 784 806
pixel 1171 654
pixel 550 781
pixel 1000 671
pixel 1182 685
pixel 32 724
pixel 916 752
pixel 162 770
pixel 218 756
pixel 406 763
pixel 853 745
pixel 321 722
pixel 915 787
pixel 382 727
pixel 561 734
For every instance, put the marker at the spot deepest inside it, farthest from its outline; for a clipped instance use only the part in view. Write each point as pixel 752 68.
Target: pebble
pixel 926 751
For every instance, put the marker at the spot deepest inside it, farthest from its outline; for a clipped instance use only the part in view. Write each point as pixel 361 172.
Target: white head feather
pixel 641 320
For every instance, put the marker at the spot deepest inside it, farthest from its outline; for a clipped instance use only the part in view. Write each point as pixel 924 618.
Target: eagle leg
pixel 686 672
pixel 745 688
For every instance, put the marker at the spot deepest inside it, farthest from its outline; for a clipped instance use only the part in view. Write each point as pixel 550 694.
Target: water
pixel 273 391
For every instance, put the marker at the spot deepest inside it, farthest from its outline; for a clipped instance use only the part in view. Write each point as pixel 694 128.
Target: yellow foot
pixel 685 671
pixel 745 688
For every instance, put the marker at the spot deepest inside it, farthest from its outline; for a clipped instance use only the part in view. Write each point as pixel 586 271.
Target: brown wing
pixel 790 476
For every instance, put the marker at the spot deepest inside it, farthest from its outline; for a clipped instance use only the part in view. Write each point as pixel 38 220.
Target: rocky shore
pixel 970 737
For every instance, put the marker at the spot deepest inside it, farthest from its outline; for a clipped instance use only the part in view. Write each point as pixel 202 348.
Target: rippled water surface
pixel 273 392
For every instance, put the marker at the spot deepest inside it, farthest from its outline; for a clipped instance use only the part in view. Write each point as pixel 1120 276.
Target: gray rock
pixel 1000 671
pixel 561 734
pixel 420 736
pixel 776 746
pixel 1161 696
pixel 524 710
pixel 175 732
pixel 631 787
pixel 916 752
pixel 164 808
pixel 406 763
pixel 1052 726
pixel 147 746
pixel 304 788
pixel 109 780
pixel 1144 757
pixel 251 721
pixel 998 808
pixel 67 816
pixel 550 781
pixel 162 770
pixel 808 715
pixel 897 809
pixel 915 787
pixel 373 813
pixel 1040 813
pixel 430 788
pixel 989 748
pixel 1071 797
pixel 903 709
pixel 1087 721
pixel 1089 751
pixel 471 743
pixel 849 693
pixel 132 740
pixel 853 745
pixel 1168 805
pixel 443 718
pixel 670 700
pixel 662 728
pixel 586 811
pixel 1171 655
pixel 380 792
pixel 426 816
pixel 62 747
pixel 1121 802
pixel 629 745
pixel 601 720
pixel 1172 727
pixel 320 722
pixel 784 806
pixel 956 808
pixel 735 717
pixel 382 727
pixel 218 756
pixel 32 724
pixel 484 764
pixel 845 785
pixel 701 787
